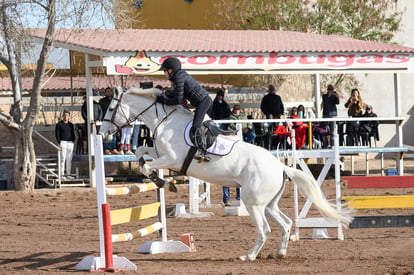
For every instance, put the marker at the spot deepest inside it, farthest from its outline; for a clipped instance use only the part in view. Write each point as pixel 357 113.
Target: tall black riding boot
pixel 200 142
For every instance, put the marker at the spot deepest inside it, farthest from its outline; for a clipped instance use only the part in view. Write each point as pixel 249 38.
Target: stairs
pixel 47 174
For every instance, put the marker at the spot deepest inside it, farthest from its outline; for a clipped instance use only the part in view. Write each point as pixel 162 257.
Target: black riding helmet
pixel 171 63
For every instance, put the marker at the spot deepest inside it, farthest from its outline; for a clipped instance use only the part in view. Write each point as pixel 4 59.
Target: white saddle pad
pixel 221 147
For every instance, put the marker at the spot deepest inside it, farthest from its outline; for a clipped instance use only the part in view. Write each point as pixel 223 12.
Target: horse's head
pixel 125 108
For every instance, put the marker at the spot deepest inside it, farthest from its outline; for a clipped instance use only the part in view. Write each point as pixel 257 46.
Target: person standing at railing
pixel 221 110
pixel 273 108
pixel 65 136
pixel 109 147
pixel 355 106
pixel 329 102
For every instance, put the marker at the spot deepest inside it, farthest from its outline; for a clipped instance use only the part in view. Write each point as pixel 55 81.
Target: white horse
pixel 254 169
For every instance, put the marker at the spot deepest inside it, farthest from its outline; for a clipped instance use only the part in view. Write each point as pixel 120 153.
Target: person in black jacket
pixel 65 137
pixel 185 87
pixel 221 110
pixel 272 105
pixel 329 102
pixel 109 147
pixel 98 114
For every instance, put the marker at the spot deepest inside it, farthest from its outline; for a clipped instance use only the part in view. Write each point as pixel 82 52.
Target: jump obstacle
pixel 381 202
pixel 195 198
pixel 109 262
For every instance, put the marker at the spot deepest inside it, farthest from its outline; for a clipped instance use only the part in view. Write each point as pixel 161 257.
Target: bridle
pixel 128 121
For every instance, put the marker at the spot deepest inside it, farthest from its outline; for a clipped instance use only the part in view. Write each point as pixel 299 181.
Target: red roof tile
pixel 215 41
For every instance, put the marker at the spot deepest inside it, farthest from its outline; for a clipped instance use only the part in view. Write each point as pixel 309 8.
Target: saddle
pixel 203 138
pixel 210 131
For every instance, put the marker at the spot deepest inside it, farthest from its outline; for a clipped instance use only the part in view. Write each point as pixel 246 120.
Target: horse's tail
pixel 310 189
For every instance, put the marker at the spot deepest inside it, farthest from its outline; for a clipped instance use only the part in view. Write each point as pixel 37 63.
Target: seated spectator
pixel 301 111
pixel 320 135
pixel 368 129
pixel 300 129
pixel 247 128
pixel 282 132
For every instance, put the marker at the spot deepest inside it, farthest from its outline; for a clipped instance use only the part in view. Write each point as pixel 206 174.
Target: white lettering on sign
pixel 243 63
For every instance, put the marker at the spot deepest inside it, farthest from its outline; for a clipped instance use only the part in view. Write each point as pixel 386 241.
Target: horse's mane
pixel 154 92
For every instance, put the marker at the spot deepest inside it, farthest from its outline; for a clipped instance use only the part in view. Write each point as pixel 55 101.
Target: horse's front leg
pixel 148 169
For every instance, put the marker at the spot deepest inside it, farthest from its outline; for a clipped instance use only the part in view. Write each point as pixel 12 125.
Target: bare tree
pixel 17 16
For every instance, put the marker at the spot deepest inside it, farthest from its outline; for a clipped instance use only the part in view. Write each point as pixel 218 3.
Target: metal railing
pixel 46 168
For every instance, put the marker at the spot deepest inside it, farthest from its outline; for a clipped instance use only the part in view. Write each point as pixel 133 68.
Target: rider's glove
pixel 160 99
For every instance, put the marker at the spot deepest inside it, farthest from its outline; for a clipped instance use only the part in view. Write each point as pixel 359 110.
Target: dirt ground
pixel 50 231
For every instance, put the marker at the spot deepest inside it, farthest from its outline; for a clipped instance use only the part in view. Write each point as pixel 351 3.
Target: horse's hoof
pixel 159 183
pixel 172 187
pixel 281 255
pixel 243 258
pixel 155 179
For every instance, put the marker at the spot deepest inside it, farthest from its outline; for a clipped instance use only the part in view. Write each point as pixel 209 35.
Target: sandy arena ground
pixel 50 231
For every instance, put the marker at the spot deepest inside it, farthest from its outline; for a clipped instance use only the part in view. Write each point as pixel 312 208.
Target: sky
pixel 95 19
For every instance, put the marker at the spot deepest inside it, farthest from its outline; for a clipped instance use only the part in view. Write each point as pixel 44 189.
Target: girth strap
pixel 190 154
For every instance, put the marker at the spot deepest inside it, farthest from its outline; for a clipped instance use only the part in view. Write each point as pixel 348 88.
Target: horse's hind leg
pixel 284 222
pixel 257 215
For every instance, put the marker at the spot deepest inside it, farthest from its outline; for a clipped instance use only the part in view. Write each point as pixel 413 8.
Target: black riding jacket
pixel 185 87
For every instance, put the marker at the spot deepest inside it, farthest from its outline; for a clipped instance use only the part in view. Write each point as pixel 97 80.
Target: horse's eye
pixel 111 109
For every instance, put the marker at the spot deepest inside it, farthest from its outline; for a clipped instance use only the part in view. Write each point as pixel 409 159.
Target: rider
pixel 186 87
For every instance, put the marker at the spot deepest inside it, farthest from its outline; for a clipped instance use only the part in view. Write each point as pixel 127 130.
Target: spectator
pixel 221 109
pixel 368 129
pixel 329 102
pixel 135 135
pixel 106 100
pixel 300 129
pixel 247 128
pixel 355 104
pixel 124 143
pixel 97 112
pixel 109 147
pixel 65 137
pixel 272 105
pixel 301 111
pixel 355 107
pixel 302 114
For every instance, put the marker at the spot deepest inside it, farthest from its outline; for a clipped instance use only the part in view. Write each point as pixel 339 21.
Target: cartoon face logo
pixel 138 64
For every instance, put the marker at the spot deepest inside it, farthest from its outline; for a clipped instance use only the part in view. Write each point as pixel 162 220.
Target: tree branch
pixel 8 122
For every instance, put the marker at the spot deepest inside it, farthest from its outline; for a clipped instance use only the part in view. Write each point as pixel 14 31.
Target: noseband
pixel 128 121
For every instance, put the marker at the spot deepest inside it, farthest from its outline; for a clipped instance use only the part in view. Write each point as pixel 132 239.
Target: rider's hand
pixel 160 99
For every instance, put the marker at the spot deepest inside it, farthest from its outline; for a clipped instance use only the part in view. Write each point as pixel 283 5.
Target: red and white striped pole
pixel 106 217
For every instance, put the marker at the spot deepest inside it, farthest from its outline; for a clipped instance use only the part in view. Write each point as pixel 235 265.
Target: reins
pixel 130 120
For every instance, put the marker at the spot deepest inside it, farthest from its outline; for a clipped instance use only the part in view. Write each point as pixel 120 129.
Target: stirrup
pixel 202 156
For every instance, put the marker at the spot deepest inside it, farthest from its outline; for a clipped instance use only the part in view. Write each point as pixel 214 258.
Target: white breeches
pixel 126 135
pixel 67 154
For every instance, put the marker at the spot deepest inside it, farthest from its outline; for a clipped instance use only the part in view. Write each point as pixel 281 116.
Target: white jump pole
pixel 92 262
